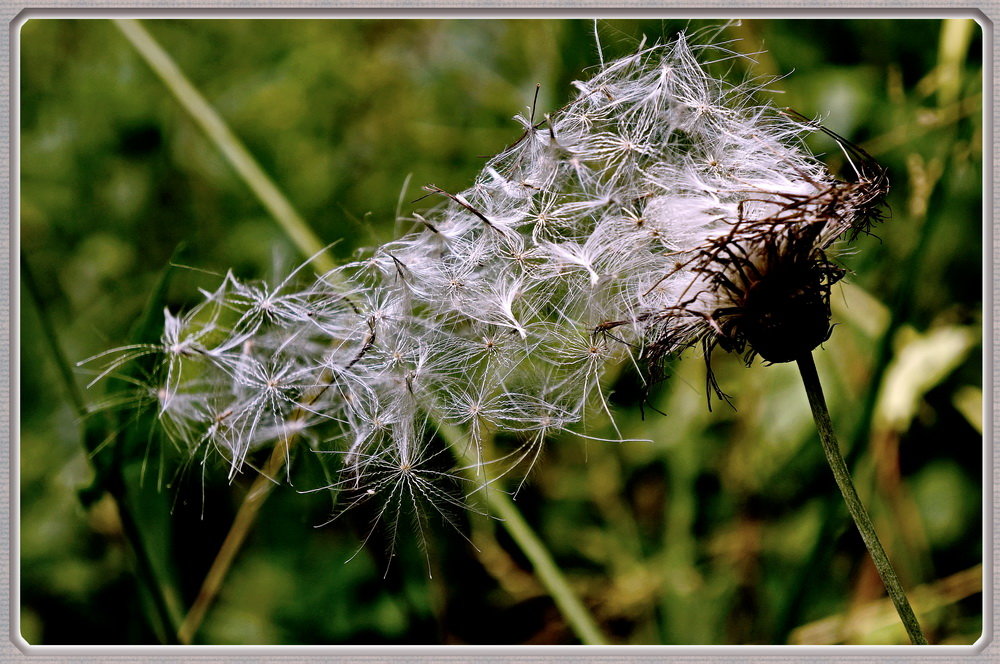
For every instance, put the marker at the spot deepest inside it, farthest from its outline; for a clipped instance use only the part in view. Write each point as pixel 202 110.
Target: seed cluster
pixel 660 209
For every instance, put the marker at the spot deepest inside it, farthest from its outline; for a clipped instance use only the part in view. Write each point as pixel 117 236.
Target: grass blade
pixel 206 117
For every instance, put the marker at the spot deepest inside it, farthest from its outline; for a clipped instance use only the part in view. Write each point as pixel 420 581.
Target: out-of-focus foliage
pixel 727 528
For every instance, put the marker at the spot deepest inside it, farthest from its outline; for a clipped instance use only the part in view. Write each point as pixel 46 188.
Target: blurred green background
pixel 726 529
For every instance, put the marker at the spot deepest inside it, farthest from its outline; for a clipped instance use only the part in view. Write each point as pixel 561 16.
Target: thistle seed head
pixel 660 209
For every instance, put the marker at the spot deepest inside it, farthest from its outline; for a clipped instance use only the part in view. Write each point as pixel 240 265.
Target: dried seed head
pixel 659 209
pixel 761 285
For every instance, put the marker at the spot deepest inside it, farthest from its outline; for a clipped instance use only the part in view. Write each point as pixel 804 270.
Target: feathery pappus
pixel 661 208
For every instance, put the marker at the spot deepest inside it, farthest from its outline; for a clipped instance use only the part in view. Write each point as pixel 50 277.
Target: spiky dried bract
pixel 661 208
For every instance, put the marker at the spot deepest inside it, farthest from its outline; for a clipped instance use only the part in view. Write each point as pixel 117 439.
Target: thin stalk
pixel 206 117
pixel 899 308
pixel 821 415
pixel 114 483
pixel 49 334
pixel 548 573
pixel 899 313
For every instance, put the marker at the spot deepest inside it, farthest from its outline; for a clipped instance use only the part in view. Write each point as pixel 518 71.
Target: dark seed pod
pixel 763 287
pixel 787 313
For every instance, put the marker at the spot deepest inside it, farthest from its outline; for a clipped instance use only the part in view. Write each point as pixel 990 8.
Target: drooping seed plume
pixel 660 209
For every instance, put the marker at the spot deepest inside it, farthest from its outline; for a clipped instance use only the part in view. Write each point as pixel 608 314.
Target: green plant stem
pixel 231 147
pixel 113 483
pixel 899 313
pixel 821 415
pixel 49 334
pixel 548 573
